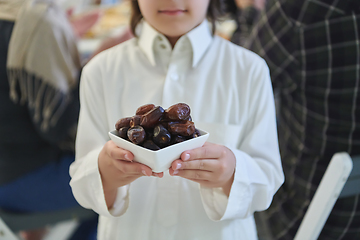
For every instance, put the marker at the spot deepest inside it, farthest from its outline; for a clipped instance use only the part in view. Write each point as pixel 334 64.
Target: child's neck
pixel 172 40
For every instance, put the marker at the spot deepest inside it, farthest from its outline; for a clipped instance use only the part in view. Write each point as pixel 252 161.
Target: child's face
pixel 174 18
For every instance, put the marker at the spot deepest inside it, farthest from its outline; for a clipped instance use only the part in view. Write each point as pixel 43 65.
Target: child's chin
pixel 175 32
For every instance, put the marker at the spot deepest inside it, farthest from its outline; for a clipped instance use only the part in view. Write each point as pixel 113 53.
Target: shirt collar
pixel 200 39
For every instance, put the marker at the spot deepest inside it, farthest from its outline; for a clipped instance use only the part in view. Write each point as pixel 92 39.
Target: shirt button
pixel 174 77
pixel 159 38
pixel 162 46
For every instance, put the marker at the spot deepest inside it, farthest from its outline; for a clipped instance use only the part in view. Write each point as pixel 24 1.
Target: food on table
pixel 113 18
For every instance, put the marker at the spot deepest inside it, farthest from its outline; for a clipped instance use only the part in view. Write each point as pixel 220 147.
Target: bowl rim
pixel 114 133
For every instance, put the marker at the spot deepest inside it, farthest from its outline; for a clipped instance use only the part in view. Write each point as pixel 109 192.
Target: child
pixel 212 191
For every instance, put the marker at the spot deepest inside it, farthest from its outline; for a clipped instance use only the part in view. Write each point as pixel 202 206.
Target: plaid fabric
pixel 313 51
pixel 245 19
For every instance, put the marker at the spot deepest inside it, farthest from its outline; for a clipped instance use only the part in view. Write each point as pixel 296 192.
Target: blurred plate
pixel 113 18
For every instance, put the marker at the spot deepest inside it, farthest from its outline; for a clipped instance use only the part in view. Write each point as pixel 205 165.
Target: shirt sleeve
pixel 258 172
pixel 92 132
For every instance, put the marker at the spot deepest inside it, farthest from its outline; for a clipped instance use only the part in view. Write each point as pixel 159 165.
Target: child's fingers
pixel 204 164
pixel 195 175
pixel 208 151
pixel 171 171
pixel 159 175
pixel 133 168
pixel 118 153
pixel 136 169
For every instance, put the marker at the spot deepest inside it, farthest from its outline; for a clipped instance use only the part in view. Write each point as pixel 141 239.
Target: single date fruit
pixel 123 132
pixel 178 139
pixel 136 134
pixel 144 109
pixel 184 129
pixel 135 121
pixel 196 133
pixel 151 145
pixel 151 118
pixel 180 111
pixel 161 136
pixel 123 122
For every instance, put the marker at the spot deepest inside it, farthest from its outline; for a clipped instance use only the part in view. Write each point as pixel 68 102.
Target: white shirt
pixel 229 92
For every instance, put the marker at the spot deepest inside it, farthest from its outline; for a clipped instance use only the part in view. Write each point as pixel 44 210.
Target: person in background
pixel 210 192
pixel 39 105
pixel 313 52
pixel 82 22
pixel 245 13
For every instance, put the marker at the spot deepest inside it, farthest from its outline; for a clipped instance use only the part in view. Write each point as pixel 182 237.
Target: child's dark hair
pixel 214 13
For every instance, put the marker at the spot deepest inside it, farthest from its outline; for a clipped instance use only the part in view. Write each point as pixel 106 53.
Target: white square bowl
pixel 160 160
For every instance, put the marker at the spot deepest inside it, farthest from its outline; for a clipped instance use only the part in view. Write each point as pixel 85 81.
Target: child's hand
pixel 211 165
pixel 117 169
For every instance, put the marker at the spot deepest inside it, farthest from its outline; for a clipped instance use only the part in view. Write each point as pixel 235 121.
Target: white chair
pixel 11 223
pixel 6 233
pixel 341 179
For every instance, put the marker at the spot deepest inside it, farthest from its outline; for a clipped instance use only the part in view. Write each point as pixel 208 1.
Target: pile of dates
pixel 154 128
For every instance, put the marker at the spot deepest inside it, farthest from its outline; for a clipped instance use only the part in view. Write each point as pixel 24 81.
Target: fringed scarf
pixel 43 62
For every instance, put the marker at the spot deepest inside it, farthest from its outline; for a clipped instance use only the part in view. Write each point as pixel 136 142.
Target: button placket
pixel 174 88
pixel 174 76
pixel 168 86
pixel 164 45
pixel 167 202
pixel 173 71
pixel 178 65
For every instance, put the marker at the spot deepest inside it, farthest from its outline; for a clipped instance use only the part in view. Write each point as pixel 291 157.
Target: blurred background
pixel 113 22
